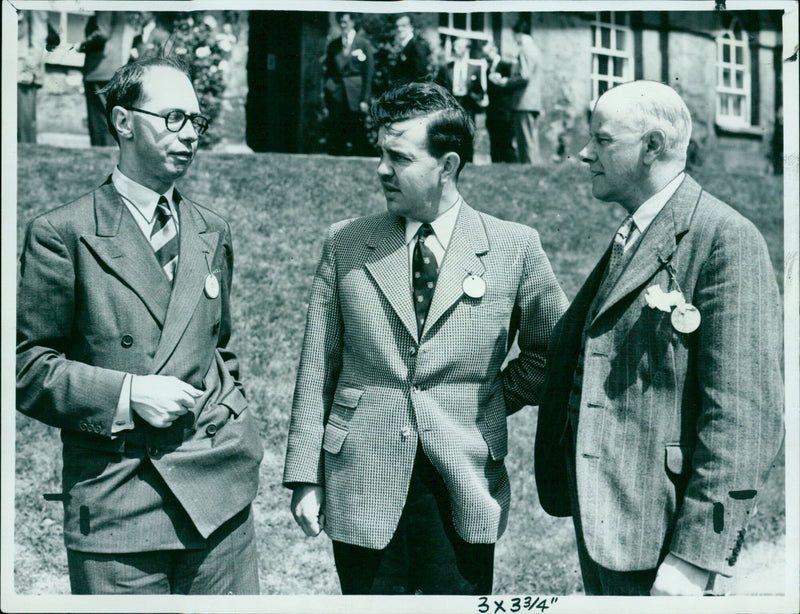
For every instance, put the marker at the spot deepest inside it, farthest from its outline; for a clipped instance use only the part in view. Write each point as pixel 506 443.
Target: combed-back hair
pixel 125 87
pixel 450 128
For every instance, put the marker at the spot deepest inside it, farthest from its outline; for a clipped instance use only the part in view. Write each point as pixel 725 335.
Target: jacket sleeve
pixel 368 72
pixel 539 304
pixel 50 387
pixel 317 375
pixel 740 424
pixel 228 356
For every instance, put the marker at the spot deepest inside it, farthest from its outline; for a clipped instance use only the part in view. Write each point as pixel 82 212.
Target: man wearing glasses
pixel 123 322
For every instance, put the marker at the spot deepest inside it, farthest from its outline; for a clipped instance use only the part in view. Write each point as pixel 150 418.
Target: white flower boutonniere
pixel 359 55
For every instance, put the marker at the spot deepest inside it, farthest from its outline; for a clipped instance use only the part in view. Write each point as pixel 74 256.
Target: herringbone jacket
pixel 369 391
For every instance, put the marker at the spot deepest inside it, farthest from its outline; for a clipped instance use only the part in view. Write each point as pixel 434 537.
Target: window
pixel 70 27
pixel 612 51
pixel 733 77
pixel 472 26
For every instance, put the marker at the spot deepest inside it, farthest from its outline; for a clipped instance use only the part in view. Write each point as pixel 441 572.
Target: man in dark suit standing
pixel 348 70
pixel 662 409
pixel 501 83
pixel 398 429
pixel 412 61
pixel 122 332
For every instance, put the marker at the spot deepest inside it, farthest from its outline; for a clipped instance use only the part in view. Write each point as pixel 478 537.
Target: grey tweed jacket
pixel 676 431
pixel 369 391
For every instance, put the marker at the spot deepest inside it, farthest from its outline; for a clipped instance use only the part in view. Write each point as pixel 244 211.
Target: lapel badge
pixel 685 318
pixel 211 286
pixel 474 286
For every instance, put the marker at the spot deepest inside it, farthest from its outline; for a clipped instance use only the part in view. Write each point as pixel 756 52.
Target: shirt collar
pixel 443 225
pixel 650 208
pixel 406 40
pixel 141 197
pixel 348 38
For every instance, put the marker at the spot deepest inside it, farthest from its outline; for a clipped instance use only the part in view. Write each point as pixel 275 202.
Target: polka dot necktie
pixel 424 270
pixel 164 239
pixel 618 247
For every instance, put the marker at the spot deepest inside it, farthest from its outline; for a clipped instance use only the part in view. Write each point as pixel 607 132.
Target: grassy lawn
pixel 278 207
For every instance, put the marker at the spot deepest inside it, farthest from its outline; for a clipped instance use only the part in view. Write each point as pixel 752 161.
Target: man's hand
pixel 678 577
pixel 161 399
pixel 306 505
pixel 363 106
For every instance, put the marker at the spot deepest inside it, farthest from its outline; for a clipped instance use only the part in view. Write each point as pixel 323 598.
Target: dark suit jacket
pixel 348 78
pixel 412 62
pixel 472 101
pixel 93 305
pixel 104 45
pixel 676 432
pixel 501 97
pixel 370 389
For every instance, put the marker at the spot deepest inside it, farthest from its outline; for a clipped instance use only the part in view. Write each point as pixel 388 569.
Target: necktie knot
pixel 624 231
pixel 164 238
pixel 424 232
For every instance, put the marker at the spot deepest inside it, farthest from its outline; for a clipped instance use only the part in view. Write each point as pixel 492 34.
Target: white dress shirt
pixel 141 201
pixel 650 208
pixel 443 227
pixel 347 40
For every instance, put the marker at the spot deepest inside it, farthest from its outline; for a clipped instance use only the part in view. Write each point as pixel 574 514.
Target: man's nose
pixel 188 132
pixel 586 154
pixel 384 170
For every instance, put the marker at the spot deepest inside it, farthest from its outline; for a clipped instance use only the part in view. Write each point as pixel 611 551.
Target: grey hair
pixel 658 106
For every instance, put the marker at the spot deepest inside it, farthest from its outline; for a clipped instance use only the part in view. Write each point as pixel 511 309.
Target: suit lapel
pixel 468 240
pixel 656 245
pixel 197 248
pixel 120 244
pixel 388 265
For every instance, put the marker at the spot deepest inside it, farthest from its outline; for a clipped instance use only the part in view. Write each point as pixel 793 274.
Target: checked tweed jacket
pixel 94 304
pixel 675 432
pixel 369 391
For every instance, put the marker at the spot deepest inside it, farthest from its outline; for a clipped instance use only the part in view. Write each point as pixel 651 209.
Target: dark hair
pixel 399 16
pixel 125 87
pixel 341 14
pixel 523 26
pixel 450 128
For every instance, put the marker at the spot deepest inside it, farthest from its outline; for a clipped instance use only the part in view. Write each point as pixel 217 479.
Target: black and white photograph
pixel 415 306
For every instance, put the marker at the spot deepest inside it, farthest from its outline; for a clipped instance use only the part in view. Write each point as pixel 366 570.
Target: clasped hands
pixel 161 399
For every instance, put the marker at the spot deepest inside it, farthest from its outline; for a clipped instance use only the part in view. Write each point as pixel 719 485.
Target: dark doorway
pixel 273 78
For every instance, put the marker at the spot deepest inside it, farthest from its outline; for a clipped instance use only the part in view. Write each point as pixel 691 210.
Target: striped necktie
pixel 620 240
pixel 164 238
pixel 425 270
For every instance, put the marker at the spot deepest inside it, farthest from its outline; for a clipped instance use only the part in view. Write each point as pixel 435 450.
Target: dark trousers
pixel 99 136
pixel 425 555
pixel 227 566
pixel 347 134
pixel 599 580
pixel 501 136
pixel 26 113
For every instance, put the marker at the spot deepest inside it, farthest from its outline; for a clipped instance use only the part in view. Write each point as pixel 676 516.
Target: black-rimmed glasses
pixel 176 120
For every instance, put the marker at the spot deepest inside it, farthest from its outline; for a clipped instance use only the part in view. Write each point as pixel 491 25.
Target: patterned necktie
pixel 620 240
pixel 425 271
pixel 164 239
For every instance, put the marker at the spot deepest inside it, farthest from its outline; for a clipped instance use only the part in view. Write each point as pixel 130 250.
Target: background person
pixel 412 60
pixel 528 99
pixel 502 80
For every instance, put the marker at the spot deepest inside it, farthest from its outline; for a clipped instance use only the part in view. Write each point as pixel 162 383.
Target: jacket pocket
pixel 678 459
pixel 347 397
pixel 333 438
pixel 234 401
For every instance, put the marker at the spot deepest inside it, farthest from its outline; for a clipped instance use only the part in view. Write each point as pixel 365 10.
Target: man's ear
pixel 655 142
pixel 122 119
pixel 450 163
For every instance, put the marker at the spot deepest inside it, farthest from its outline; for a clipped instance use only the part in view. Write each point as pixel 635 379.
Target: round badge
pixel 211 287
pixel 474 286
pixel 685 318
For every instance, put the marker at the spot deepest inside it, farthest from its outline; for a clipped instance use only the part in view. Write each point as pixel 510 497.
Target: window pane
pixel 737 106
pixel 477 22
pixel 605 17
pixel 739 55
pixel 460 21
pixel 602 64
pixel 726 77
pixel 621 40
pixel 602 87
pixel 444 20
pixel 726 53
pixel 594 36
pixel 619 65
pixel 740 79
pixel 605 38
pixel 621 19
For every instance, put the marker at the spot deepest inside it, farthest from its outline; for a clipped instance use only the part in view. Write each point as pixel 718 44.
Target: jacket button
pixel 405 432
pixel 127 341
pixel 412 352
pixel 211 430
pixel 153 451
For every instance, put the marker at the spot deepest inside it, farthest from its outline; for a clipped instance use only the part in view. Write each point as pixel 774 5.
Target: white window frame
pixel 726 116
pixel 450 32
pixel 66 54
pixel 611 52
